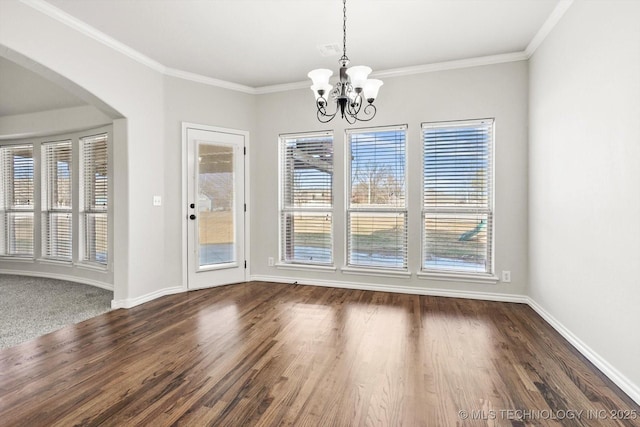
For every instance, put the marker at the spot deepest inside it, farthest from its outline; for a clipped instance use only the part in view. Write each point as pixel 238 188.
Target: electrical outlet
pixel 270 261
pixel 157 201
pixel 506 276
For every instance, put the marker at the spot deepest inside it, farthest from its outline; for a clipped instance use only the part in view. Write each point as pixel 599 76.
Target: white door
pixel 215 207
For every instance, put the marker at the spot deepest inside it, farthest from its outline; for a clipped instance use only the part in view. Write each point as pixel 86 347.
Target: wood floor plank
pixel 266 354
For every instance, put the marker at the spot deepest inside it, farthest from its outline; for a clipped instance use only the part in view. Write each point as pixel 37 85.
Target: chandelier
pixel 350 91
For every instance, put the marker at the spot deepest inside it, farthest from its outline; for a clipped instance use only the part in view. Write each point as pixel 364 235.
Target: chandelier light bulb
pixel 371 88
pixel 320 76
pixel 358 75
pixel 325 88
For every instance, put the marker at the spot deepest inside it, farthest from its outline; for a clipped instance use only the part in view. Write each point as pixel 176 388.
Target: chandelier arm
pixel 321 103
pixel 322 115
pixel 366 111
pixel 353 118
pixel 353 110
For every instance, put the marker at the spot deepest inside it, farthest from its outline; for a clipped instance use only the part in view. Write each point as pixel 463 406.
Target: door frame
pixel 185 201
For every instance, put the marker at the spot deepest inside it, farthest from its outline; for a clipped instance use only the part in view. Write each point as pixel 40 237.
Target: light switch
pixel 157 201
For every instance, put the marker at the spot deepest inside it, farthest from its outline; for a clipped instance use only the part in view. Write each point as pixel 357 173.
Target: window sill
pixel 9 258
pixel 55 262
pixel 458 277
pixel 376 272
pixel 305 267
pixel 92 267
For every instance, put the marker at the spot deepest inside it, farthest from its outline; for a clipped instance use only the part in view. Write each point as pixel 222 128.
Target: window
pixel 56 200
pixel 458 197
pixel 44 171
pixel 377 210
pixel 95 198
pixel 17 200
pixel 306 205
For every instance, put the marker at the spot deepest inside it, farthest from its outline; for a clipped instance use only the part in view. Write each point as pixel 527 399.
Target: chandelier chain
pixel 344 30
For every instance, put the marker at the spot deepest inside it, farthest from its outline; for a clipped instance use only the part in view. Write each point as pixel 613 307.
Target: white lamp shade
pixel 326 87
pixel 358 75
pixel 320 76
pixel 371 88
pixel 315 92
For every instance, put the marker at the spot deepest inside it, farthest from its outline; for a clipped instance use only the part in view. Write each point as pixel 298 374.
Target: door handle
pixel 192 216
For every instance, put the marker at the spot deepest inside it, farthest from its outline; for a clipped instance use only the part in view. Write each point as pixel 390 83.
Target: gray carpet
pixel 34 306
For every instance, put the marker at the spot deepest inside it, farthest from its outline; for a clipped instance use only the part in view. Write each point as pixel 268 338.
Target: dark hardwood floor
pixel 274 354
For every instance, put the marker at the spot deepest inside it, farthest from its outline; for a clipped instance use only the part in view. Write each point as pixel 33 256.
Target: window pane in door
pixel 216 213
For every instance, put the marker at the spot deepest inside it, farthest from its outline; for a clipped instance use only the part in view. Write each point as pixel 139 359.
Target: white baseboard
pixel 68 278
pixel 436 292
pixel 132 302
pixel 631 389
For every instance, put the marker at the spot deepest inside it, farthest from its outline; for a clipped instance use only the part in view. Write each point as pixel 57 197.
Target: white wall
pixel 584 182
pixel 498 91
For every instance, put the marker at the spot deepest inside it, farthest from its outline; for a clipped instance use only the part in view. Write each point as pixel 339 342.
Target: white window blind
pixel 56 200
pixel 17 200
pixel 306 205
pixel 377 212
pixel 95 201
pixel 458 196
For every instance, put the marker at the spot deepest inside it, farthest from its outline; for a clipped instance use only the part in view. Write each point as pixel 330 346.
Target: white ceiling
pixel 261 43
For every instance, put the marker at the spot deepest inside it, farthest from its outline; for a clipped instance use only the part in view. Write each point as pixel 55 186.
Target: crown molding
pixel 553 19
pixel 72 22
pixel 99 36
pixel 452 65
pixel 418 69
pixel 282 87
pixel 199 78
pixel 89 31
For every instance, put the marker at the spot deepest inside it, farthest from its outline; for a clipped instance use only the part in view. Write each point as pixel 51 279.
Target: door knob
pixel 192 205
pixel 192 216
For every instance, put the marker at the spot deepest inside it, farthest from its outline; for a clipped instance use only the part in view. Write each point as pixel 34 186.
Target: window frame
pixel 84 211
pixel 369 269
pixel 8 208
pixel 282 261
pixel 46 206
pixel 488 276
